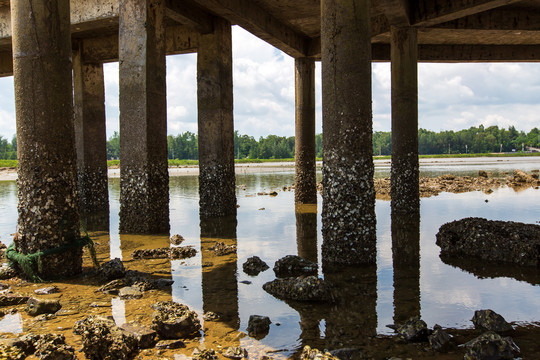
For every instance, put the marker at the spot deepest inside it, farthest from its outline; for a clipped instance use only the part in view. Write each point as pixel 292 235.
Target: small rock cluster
pixel 309 288
pixel 292 266
pixel 175 321
pixel 173 253
pixel 222 249
pixel 45 347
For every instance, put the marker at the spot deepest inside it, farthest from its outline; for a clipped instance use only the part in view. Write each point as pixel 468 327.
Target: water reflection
pixel 219 282
pixel 95 221
pixel 11 323
pixel 406 264
pixel 306 231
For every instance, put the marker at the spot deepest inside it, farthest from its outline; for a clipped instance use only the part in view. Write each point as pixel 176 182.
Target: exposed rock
pixel 292 266
pixel 413 330
pixel 53 347
pixel 233 352
pixel 491 346
pixel 129 292
pixel 482 173
pixel 4 286
pixel 12 299
pixel 177 239
pixel 206 354
pixel 273 193
pixel 113 269
pixel 47 290
pixel 211 316
pixel 503 241
pixel 36 306
pixel 161 253
pixel 103 340
pixel 112 287
pixel 174 253
pixel 170 344
pixel 146 337
pixel 182 252
pixel 489 320
pixel 348 354
pixel 175 321
pixel 520 176
pixel 100 304
pixel 7 272
pixel 254 265
pixel 314 354
pixel 258 326
pixel 221 249
pixel 11 353
pixel 309 288
pixel 439 339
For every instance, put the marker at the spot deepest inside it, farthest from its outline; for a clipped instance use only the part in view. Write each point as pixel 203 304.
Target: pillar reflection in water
pixel 306 241
pixel 352 319
pixel 219 282
pixel 406 260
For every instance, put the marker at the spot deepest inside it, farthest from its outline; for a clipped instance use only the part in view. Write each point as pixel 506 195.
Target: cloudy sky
pixel 451 96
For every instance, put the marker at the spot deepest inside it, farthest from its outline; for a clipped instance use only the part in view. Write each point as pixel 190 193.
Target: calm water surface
pixel 371 297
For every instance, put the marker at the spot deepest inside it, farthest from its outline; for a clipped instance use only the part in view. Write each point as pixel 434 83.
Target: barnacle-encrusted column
pixel 404 187
pixel 305 185
pixel 406 262
pixel 91 141
pixel 144 178
pixel 217 191
pixel 348 214
pixel 47 170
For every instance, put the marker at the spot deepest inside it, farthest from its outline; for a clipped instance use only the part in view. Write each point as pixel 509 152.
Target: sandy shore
pixel 11 174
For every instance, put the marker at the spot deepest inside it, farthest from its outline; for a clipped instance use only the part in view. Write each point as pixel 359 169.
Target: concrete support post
pixel 306 231
pixel 348 214
pixel 47 170
pixel 305 184
pixel 144 178
pixel 215 122
pixel 405 169
pixel 91 141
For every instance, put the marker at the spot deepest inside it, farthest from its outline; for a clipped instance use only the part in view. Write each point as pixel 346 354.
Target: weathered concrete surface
pixel 406 263
pixel 47 173
pixel 493 241
pixel 91 141
pixel 405 171
pixel 144 182
pixel 305 183
pixel 348 213
pixel 217 190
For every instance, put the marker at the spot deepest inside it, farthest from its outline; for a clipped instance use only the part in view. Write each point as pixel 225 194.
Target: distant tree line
pixel 473 140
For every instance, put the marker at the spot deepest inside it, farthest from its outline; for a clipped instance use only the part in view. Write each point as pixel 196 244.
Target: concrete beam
pixel 433 12
pixel 497 19
pixel 188 13
pixel 396 11
pixel 6 63
pixel 255 19
pixel 466 53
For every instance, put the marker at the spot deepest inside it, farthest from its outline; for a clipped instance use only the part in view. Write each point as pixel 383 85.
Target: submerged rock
pixel 258 326
pixel 309 288
pixel 314 354
pixel 292 266
pixel 36 307
pixel 103 340
pixel 489 320
pixel 113 269
pixel 13 299
pixel 170 344
pixel 503 241
pixel 222 249
pixel 112 287
pixel 129 292
pixel 413 330
pixel 254 265
pixel 491 346
pixel 146 337
pixel 47 290
pixel 439 339
pixel 175 321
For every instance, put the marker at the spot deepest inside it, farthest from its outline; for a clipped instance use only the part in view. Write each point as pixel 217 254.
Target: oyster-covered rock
pixel 53 347
pixel 413 330
pixel 103 340
pixel 491 346
pixel 174 253
pixel 293 266
pixel 205 354
pixel 258 326
pixel 11 353
pixel 13 299
pixel 254 265
pixel 439 339
pixel 113 269
pixel 182 252
pixel 175 321
pixel 176 239
pixel 233 352
pixel 489 320
pixel 314 354
pixel 146 337
pixel 130 292
pixel 309 288
pixel 222 249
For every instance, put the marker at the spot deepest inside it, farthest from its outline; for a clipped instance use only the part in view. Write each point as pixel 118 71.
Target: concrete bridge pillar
pixel 217 186
pixel 144 177
pixel 306 231
pixel 91 141
pixel 47 170
pixel 405 169
pixel 348 214
pixel 305 183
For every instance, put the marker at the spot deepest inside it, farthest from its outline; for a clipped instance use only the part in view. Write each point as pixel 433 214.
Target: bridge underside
pixel 345 35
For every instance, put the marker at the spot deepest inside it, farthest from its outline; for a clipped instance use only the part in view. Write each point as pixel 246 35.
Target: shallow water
pixel 370 297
